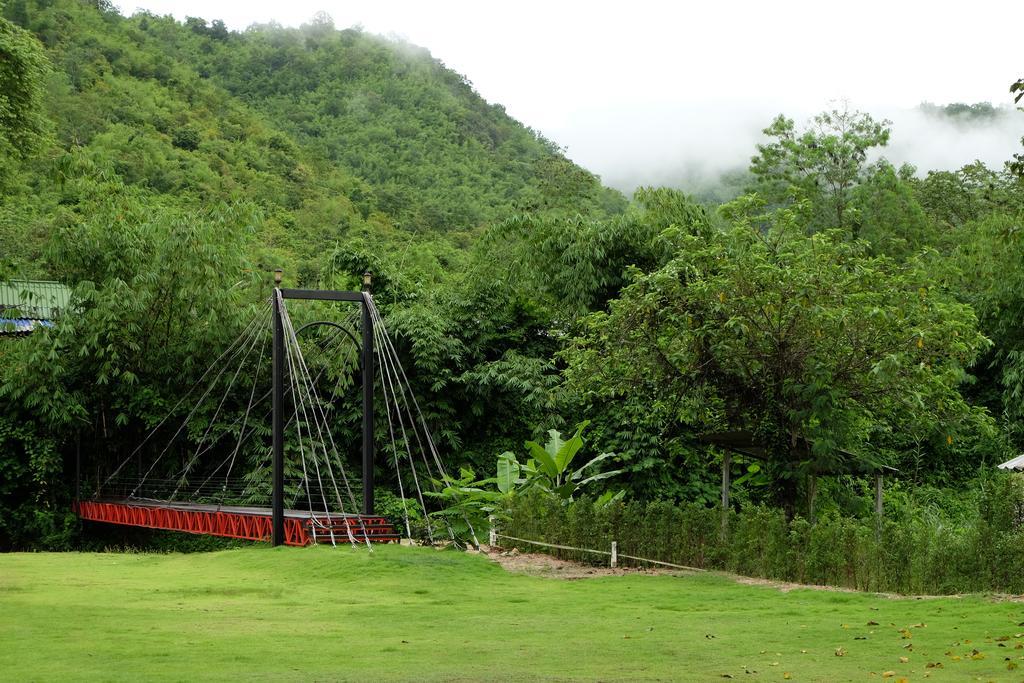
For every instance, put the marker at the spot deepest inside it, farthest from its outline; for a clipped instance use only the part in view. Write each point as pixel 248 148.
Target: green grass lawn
pixel 420 614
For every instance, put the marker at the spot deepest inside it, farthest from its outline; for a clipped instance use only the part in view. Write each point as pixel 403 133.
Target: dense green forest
pixel 872 314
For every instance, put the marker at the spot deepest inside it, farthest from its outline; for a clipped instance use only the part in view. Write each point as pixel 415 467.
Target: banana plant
pixel 469 501
pixel 468 504
pixel 550 467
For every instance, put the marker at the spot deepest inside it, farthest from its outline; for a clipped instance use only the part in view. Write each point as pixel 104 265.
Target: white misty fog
pixel 692 145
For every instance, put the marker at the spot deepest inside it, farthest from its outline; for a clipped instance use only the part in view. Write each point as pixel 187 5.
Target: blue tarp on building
pixel 21 325
pixel 27 305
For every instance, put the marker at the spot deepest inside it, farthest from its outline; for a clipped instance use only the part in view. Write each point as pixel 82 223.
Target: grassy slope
pixel 322 613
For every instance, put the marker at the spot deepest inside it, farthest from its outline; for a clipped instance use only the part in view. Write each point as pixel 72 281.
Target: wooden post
pixel 878 507
pixel 878 496
pixel 812 493
pixel 615 554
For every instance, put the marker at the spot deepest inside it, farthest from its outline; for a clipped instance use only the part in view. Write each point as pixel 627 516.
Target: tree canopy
pixel 821 164
pixel 788 337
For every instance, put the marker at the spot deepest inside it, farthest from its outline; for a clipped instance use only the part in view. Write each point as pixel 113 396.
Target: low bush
pixel 910 550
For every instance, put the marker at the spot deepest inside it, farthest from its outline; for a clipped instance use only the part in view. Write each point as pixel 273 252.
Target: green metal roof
pixel 33 299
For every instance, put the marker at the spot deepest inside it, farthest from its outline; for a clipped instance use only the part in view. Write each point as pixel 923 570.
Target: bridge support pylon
pixel 277 502
pixel 277 466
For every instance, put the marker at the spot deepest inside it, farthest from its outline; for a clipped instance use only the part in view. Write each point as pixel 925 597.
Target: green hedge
pixel 910 551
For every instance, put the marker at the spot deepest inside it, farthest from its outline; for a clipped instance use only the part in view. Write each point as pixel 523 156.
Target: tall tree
pixel 822 163
pixel 787 337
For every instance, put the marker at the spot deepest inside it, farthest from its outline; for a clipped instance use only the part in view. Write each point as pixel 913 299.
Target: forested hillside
pixel 846 315
pixel 327 137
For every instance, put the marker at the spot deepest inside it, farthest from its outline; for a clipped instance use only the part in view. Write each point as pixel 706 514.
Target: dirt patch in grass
pixel 787 586
pixel 538 564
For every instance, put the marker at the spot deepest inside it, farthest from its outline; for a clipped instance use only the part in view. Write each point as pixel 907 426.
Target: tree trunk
pixel 812 494
pixel 788 495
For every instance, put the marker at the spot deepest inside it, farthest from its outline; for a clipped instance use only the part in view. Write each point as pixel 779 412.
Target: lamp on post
pixel 367 281
pixel 278 274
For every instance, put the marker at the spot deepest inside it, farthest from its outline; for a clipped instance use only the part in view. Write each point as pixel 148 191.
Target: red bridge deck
pixel 301 527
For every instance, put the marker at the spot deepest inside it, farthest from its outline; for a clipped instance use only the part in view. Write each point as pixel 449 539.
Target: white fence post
pixel 492 538
pixel 615 554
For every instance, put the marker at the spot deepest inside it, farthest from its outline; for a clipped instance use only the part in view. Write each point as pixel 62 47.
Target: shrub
pixel 913 550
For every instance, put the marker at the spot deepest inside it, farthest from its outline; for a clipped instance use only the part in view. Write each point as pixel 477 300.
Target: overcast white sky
pixel 639 90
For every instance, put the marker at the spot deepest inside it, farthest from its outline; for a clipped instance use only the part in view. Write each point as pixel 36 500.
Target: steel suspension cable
pixel 386 383
pixel 398 471
pixel 245 420
pixel 375 313
pixel 335 341
pixel 216 414
pixel 245 331
pixel 394 365
pixel 317 410
pixel 296 405
pixel 397 363
pixel 251 331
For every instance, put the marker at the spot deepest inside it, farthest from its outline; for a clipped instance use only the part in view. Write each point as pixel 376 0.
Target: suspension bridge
pixel 298 491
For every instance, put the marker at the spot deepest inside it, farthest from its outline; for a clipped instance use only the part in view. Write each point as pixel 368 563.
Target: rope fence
pixel 613 554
